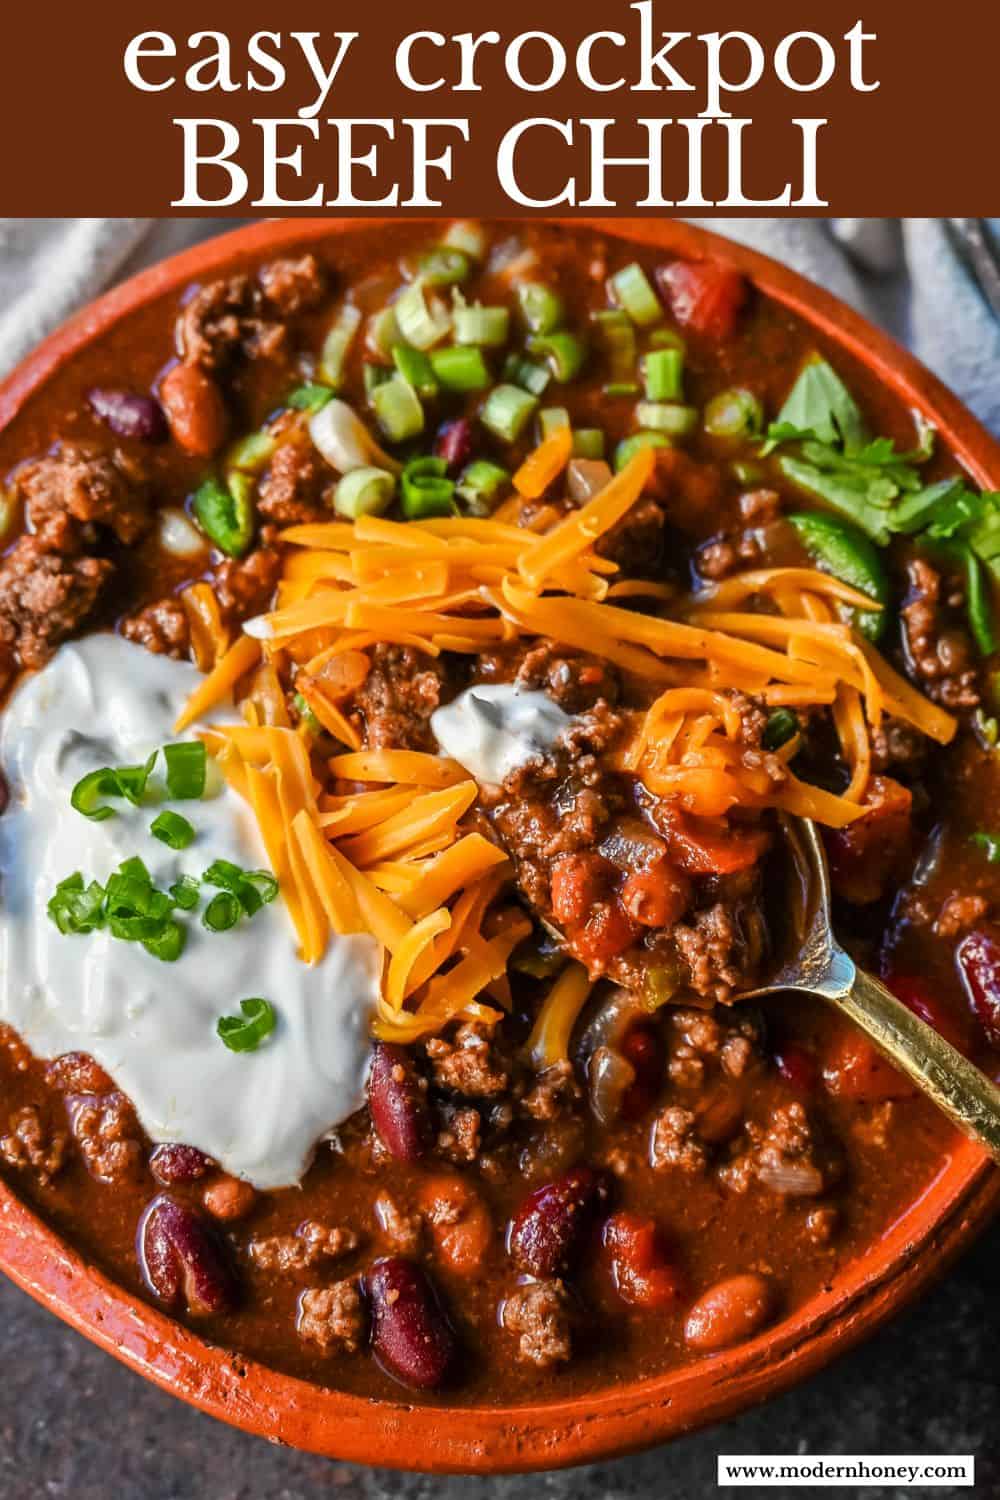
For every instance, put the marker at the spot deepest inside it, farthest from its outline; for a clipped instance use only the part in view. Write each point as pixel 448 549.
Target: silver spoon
pixel 819 966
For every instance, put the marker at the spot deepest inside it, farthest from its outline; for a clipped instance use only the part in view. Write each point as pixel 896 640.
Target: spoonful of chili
pixel 816 964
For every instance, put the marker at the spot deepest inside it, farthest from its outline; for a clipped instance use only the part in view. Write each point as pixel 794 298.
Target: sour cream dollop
pixel 493 729
pixel 152 1025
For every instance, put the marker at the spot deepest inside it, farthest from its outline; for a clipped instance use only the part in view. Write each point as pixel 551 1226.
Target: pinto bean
pixel 730 1311
pixel 178 1163
pixel 396 1099
pixel 195 410
pixel 411 1337
pixel 460 1223
pixel 182 1260
pixel 228 1198
pixel 545 1233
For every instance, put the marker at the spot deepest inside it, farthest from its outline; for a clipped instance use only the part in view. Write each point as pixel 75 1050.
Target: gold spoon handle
pixel 966 1095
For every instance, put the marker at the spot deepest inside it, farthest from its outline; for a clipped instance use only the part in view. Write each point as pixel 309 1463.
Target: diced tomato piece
pixel 642 1273
pixel 700 847
pixel 865 854
pixel 917 995
pixel 577 883
pixel 608 931
pixel 704 296
pixel 855 1069
pixel 691 488
pixel 643 1048
pixel 657 897
pixel 978 959
pixel 797 1066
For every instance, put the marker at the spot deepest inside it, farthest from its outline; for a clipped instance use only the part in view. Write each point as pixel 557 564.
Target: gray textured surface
pixel 75 1424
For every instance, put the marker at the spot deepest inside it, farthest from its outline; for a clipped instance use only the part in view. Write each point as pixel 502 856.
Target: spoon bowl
pixel 816 964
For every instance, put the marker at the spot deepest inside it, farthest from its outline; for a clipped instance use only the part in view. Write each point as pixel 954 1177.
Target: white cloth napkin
pixel 902 273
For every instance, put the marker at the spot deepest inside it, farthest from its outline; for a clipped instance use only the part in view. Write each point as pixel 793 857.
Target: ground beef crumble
pixel 539 1313
pixel 939 650
pixel 161 628
pixel 466 1063
pixel 460 1138
pixel 80 482
pixel 787 1155
pixel 291 491
pixel 43 598
pixel 713 948
pixel 332 1317
pixel 245 586
pixel 402 1232
pixel 675 1141
pixel 31 1143
pixel 311 1244
pixel 107 1133
pixel 397 698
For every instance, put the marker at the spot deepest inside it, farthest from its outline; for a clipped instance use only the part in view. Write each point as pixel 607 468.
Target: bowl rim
pixel 617 1419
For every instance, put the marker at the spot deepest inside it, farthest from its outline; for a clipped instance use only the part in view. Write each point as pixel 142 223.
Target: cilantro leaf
pixel 819 406
pixel 866 501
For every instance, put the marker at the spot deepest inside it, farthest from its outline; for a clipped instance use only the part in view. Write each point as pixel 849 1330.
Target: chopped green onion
pixel 527 373
pixel 336 345
pixel 446 266
pixel 415 368
pixel 383 332
pixel 364 492
pixel 666 338
pixel 309 397
pixel 565 352
pixel 666 416
pixel 171 829
pixel 374 375
pixel 616 334
pixel 551 419
pixel 246 1032
pixel 252 452
pixel 226 515
pixel 467 236
pixel 541 307
pixel 663 375
pixel 487 326
pixel 121 781
pixel 735 413
pixel 187 766
pixel 632 291
pixel 990 845
pixel 425 490
pixel 421 323
pixel 306 715
pixel 222 913
pixel 397 409
pixel 506 412
pixel 184 893
pixel 588 442
pixel 168 944
pixel 620 388
pixel 252 889
pixel 460 368
pixel 480 485
pixel 781 727
pixel 76 908
pixel 630 446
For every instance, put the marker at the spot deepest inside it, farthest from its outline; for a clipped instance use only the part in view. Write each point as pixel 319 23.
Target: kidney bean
pixel 411 1337
pixel 195 410
pixel 228 1198
pixel 730 1311
pixel 396 1099
pixel 640 1267
pixel 917 996
pixel 128 415
pixel 453 443
pixel 643 1049
pixel 545 1233
pixel 797 1066
pixel 177 1163
pixel 459 1221
pixel 978 959
pixel 182 1259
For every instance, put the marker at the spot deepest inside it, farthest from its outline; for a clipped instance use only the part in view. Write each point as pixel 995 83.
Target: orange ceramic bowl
pixel 604 1423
